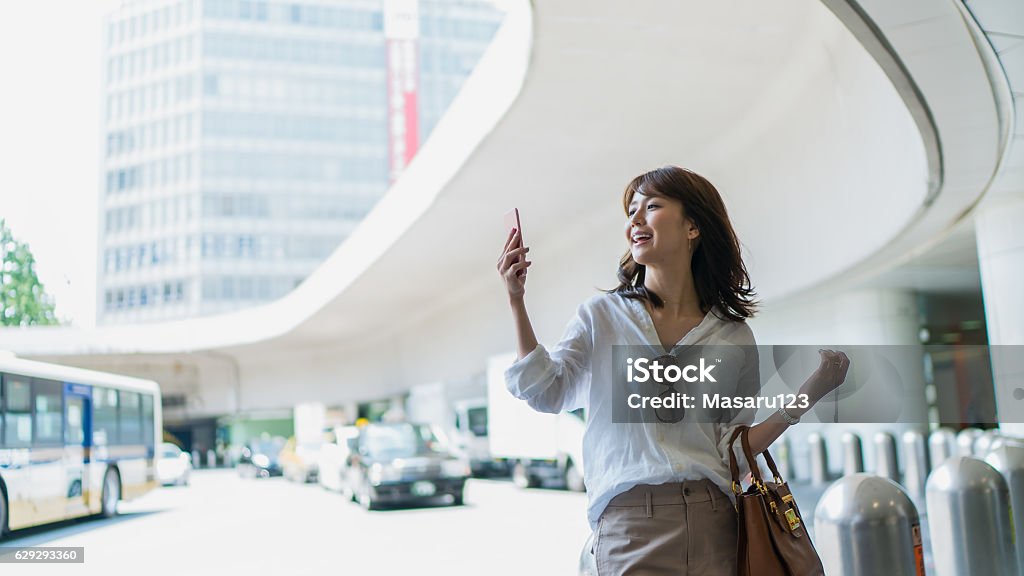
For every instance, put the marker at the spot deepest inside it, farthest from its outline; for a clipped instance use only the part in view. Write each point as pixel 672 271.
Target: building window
pixel 210 84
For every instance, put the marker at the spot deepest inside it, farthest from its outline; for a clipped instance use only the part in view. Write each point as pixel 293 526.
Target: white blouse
pixel 579 372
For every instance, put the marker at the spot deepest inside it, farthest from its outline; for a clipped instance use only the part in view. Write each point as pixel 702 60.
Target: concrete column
pixel 1000 240
pixel 861 317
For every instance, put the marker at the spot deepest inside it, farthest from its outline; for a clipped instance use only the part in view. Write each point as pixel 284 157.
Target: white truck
pixel 541 448
pixel 459 409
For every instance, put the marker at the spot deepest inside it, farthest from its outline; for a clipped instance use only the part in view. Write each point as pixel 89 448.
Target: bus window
pixel 75 431
pixel 104 417
pixel 18 417
pixel 1 410
pixel 130 419
pixel 147 420
pixel 49 413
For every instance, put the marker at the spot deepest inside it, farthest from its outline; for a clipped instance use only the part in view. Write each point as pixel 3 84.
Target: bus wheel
pixel 111 493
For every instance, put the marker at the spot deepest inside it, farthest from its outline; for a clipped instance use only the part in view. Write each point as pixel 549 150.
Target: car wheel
pixel 111 493
pixel 367 501
pixel 573 478
pixel 522 478
pixel 459 498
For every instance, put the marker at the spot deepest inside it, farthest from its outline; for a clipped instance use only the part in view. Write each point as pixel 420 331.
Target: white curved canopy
pixel 841 146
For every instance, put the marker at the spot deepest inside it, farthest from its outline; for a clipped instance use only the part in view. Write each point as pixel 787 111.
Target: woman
pixel 659 497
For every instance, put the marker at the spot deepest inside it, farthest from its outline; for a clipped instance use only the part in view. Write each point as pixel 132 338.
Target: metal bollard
pixel 984 442
pixel 853 454
pixel 1001 441
pixel 915 465
pixel 211 459
pixel 781 451
pixel 1008 459
pixel 965 441
pixel 969 518
pixel 885 456
pixel 195 459
pixel 865 525
pixel 941 445
pixel 819 459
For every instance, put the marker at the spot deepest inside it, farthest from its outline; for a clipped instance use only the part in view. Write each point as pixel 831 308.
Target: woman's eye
pixel 649 206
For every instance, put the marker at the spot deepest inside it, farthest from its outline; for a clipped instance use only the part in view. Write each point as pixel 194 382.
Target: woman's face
pixel 657 231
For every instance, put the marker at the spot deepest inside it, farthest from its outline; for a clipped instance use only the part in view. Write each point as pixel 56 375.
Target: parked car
pixel 173 466
pixel 400 463
pixel 335 456
pixel 261 458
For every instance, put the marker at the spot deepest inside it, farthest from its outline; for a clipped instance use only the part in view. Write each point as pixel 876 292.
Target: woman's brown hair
pixel 719 274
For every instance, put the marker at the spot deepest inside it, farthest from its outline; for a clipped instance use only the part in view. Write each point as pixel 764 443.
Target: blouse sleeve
pixel 558 380
pixel 749 385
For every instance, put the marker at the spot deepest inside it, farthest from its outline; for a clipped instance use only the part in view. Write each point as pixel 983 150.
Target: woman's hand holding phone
pixel 512 264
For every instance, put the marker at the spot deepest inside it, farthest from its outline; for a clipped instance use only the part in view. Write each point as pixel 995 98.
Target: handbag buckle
pixel 791 518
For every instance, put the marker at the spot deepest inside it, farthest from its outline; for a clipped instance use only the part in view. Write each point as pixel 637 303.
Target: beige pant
pixel 679 529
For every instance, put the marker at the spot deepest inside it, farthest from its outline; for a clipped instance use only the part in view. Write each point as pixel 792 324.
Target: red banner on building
pixel 401 29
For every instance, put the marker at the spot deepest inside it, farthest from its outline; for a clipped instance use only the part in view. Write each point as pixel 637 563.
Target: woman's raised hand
pixel 831 373
pixel 512 264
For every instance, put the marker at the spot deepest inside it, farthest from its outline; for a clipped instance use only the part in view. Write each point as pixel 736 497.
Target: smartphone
pixel 512 221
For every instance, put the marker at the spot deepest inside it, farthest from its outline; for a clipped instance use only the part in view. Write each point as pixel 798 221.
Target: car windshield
pixel 399 441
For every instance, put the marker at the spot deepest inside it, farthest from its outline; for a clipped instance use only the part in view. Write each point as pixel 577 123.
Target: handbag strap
pixel 743 433
pixel 736 486
pixel 753 463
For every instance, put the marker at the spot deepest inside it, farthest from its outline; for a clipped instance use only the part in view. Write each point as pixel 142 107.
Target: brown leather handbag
pixel 773 540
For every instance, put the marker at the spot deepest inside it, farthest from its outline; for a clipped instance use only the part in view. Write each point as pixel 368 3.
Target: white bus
pixel 73 442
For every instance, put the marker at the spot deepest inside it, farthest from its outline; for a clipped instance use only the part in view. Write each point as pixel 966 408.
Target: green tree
pixel 23 301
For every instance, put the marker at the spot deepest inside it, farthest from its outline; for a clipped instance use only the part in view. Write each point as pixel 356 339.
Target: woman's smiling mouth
pixel 641 238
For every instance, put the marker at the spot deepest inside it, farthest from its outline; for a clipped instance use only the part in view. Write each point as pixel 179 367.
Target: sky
pixel 50 130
